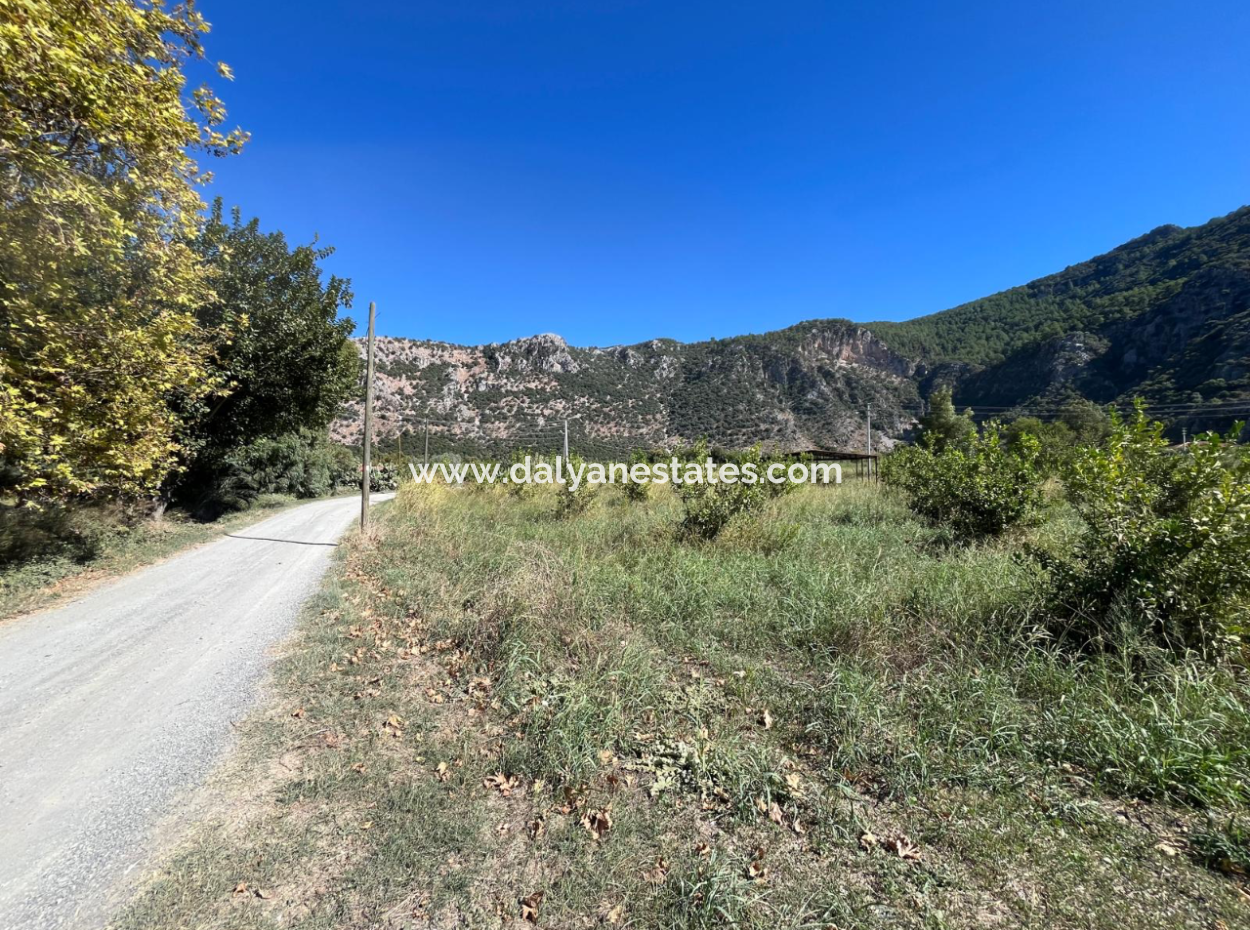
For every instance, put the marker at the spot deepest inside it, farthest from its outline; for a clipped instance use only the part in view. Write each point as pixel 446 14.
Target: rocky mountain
pixel 797 388
pixel 1165 316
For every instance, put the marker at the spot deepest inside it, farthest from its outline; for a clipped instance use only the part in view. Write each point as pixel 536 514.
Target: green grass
pixel 101 543
pixel 768 720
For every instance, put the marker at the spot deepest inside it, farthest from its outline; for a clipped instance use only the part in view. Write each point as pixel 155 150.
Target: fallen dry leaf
pixel 615 914
pixel 501 783
pixel 867 840
pixel 756 870
pixel 598 822
pixel 767 720
pixel 656 875
pixel 902 847
pixel 529 906
pixel 298 713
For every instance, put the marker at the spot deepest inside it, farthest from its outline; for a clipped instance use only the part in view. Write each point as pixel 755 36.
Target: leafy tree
pixel 569 501
pixel 286 360
pixel 942 427
pixel 710 506
pixel 1166 549
pixel 978 488
pixel 98 282
pixel 1088 422
pixel 636 491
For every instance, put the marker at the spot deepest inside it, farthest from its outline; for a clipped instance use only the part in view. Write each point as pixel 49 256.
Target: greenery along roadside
pixel 146 345
pixel 496 715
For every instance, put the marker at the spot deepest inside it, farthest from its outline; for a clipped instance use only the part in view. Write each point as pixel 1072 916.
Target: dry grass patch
pixel 509 719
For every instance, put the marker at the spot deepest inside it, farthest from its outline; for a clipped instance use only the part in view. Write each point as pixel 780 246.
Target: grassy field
pixel 826 718
pixel 117 546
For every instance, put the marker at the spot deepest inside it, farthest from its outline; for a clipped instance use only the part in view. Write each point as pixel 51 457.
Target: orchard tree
pixel 98 209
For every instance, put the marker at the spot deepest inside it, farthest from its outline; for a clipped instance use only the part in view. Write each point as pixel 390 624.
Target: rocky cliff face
pixel 804 387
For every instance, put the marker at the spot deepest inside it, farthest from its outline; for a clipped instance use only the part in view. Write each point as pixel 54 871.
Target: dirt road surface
pixel 114 707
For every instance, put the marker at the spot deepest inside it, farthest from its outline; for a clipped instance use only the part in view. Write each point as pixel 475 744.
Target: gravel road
pixel 113 707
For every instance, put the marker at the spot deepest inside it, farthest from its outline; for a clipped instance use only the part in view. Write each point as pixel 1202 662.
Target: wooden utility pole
pixel 566 445
pixel 364 474
pixel 870 468
pixel 427 444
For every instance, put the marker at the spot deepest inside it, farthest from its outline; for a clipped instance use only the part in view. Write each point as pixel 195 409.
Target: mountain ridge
pixel 1165 316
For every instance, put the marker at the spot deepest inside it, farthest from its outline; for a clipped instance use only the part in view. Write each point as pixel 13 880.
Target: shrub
pixel 636 491
pixel 571 501
pixel 978 488
pixel 781 488
pixel 710 506
pixel 302 464
pixel 59 531
pixel 383 477
pixel 519 489
pixel 1166 547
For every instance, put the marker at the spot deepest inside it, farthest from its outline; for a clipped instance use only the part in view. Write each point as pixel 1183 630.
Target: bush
pixel 571 501
pixel 519 489
pixel 301 464
pixel 1165 551
pixel 636 491
pixel 782 488
pixel 978 488
pixel 59 531
pixel 382 477
pixel 711 505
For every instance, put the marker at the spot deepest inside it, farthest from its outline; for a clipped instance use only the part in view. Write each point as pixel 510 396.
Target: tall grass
pixel 905 662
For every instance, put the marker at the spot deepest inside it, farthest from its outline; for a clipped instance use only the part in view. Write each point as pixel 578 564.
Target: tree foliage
pixel 571 501
pixel 942 428
pixel 286 361
pixel 1166 547
pixel 301 464
pixel 98 280
pixel 710 505
pixel 1079 424
pixel 978 488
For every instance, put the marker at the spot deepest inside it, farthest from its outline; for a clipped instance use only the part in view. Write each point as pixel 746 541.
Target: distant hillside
pixel 1165 316
pixel 797 388
pixel 1108 289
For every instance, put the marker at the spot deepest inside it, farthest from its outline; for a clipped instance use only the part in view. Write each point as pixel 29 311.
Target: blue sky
pixel 615 171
